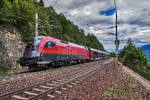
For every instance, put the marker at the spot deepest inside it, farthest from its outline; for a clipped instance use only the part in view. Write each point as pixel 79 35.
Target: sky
pixel 133 18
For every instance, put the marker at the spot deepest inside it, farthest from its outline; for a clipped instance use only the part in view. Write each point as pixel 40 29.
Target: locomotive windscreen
pixel 32 47
pixel 34 43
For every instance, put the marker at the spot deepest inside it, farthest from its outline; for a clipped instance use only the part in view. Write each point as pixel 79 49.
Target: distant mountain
pixel 146 49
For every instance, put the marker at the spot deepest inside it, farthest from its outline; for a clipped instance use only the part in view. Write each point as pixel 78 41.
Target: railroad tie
pixel 59 92
pixel 80 79
pixel 64 88
pixel 65 81
pixel 77 81
pixel 69 85
pixel 46 87
pixel 19 97
pixel 50 84
pixel 55 82
pixel 51 96
pixel 59 80
pixel 30 93
pixel 36 89
pixel 73 83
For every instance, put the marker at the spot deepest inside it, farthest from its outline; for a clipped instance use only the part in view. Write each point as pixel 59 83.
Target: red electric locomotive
pixel 45 50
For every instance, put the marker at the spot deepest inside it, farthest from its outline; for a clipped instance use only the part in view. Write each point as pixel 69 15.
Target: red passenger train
pixel 45 50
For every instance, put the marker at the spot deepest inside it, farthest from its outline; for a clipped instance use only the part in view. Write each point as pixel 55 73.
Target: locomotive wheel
pixel 33 67
pixel 52 65
pixel 57 64
pixel 79 61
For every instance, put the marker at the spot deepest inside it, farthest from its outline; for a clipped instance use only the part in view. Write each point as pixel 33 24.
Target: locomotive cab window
pixel 33 44
pixel 95 53
pixel 49 44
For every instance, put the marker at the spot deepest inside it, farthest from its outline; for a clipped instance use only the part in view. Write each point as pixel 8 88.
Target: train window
pixel 53 44
pixel 95 53
pixel 34 43
pixel 30 44
pixel 49 44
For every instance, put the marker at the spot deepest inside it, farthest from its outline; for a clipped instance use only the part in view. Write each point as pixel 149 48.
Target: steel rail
pixel 62 84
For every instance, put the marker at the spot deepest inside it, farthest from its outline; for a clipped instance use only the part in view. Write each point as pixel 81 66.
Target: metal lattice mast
pixel 116 41
pixel 36 24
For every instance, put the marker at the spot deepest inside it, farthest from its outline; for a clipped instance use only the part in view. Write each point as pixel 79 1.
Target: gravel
pixel 24 80
pixel 107 84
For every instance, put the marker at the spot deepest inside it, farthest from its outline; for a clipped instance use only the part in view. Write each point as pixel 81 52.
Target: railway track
pixel 51 87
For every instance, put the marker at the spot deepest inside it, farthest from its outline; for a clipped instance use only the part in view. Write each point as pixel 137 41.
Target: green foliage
pixel 13 71
pixel 123 89
pixel 112 54
pixel 5 73
pixel 93 42
pixel 6 12
pixel 135 58
pixel 21 13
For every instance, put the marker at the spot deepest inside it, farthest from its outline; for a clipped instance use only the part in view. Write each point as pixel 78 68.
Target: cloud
pixel 133 17
pixel 74 12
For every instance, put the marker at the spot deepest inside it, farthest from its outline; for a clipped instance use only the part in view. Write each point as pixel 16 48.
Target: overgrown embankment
pixel 135 58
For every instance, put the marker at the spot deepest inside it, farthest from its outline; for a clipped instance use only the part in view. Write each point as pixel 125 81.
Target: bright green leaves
pixel 135 58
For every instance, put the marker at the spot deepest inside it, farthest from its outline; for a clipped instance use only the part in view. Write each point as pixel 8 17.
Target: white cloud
pixel 74 12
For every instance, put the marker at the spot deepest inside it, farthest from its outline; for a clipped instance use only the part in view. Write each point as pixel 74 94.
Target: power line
pixel 59 9
pixel 62 3
pixel 59 5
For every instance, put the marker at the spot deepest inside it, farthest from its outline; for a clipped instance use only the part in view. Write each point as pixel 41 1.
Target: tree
pixel 6 12
pixel 129 42
pixel 133 56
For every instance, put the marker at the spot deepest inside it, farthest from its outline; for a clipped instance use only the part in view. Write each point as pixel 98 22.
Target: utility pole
pixel 116 41
pixel 36 23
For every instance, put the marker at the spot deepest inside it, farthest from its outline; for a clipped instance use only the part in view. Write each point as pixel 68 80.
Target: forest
pixel 21 13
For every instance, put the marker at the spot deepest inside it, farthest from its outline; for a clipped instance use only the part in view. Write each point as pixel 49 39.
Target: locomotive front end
pixel 31 54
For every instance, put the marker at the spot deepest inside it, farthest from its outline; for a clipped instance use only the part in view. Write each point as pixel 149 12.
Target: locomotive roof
pixel 99 51
pixel 76 45
pixel 38 37
pixel 57 40
pixel 72 44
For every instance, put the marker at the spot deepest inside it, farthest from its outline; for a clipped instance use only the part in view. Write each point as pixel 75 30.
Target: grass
pixel 5 73
pixel 114 92
pixel 122 90
pixel 20 69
